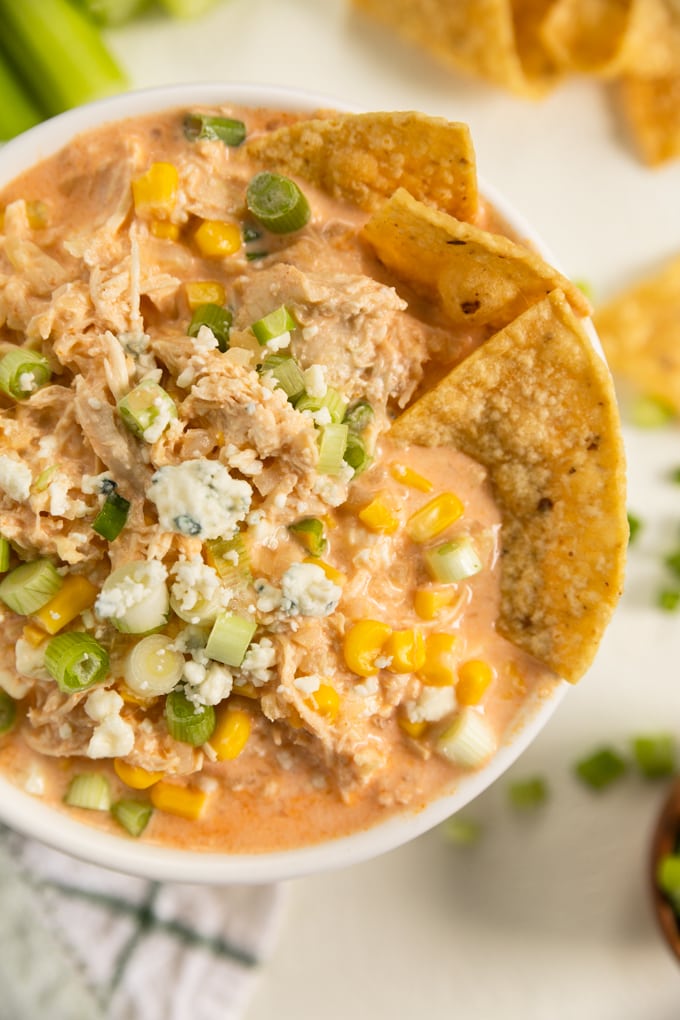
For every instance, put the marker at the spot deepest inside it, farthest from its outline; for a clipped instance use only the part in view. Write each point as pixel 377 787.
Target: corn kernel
pixel 363 644
pixel 378 516
pixel 247 690
pixel 474 677
pixel 217 238
pixel 75 595
pixel 34 635
pixel 439 668
pixel 435 517
pixel 326 701
pixel 135 777
pixel 155 192
pixel 334 575
pixel 231 733
pixel 204 292
pixel 429 602
pixel 37 214
pixel 184 801
pixel 407 476
pixel 130 697
pixel 406 648
pixel 164 229
pixel 411 729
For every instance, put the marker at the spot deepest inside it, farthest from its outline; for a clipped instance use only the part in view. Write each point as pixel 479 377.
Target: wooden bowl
pixel 665 841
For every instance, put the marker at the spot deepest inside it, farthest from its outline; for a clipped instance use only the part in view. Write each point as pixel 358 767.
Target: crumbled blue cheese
pixel 196 585
pixel 199 497
pixel 307 684
pixel 100 485
pixel 432 704
pixel 112 737
pixel 306 591
pixel 131 591
pixel 15 478
pixel 315 381
pixel 205 338
pixel 258 662
pixel 27 382
pixel 268 596
pixel 278 343
pixel 207 684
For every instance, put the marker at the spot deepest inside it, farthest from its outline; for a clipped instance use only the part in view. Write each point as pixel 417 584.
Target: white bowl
pixel 28 814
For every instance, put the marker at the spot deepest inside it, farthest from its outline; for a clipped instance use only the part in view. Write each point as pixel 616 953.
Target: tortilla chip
pixel 640 333
pixel 363 158
pixel 535 405
pixel 497 40
pixel 651 107
pixel 480 279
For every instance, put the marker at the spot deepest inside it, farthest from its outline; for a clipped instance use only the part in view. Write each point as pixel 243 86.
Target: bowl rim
pixel 32 817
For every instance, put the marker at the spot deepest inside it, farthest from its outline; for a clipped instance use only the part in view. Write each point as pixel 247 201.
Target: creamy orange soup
pixel 227 592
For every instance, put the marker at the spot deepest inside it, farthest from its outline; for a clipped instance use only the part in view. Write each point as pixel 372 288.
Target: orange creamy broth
pixel 282 792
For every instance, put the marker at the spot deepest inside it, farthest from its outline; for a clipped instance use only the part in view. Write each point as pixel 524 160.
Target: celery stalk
pixel 58 53
pixel 17 110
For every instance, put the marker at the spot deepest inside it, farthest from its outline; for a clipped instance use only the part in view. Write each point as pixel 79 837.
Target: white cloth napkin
pixel 79 942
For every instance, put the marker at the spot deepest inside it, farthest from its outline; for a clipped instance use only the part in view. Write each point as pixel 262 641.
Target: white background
pixel 548 917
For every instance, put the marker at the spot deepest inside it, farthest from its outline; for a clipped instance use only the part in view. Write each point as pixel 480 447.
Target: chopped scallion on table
pixel 668 599
pixel 526 794
pixel 601 769
pixel 655 755
pixel 651 413
pixel 461 831
pixel 634 527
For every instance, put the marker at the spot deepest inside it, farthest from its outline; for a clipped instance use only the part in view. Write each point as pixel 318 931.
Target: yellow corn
pixel 134 776
pixel 34 635
pixel 247 690
pixel 439 668
pixel 326 701
pixel 334 575
pixel 378 516
pixel 204 292
pixel 217 238
pixel 231 733
pixel 155 192
pixel 434 517
pixel 130 697
pixel 411 729
pixel 407 476
pixel 185 801
pixel 164 229
pixel 474 677
pixel 406 648
pixel 429 602
pixel 75 595
pixel 37 214
pixel 363 644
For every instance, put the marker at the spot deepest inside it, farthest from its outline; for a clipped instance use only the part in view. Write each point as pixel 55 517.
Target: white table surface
pixel 548 917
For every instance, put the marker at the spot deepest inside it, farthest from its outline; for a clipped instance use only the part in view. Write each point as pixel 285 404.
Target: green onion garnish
pixel 5 551
pixel 359 416
pixel 672 561
pixel 310 532
pixel 651 412
pixel 634 527
pixel 277 203
pixel 222 129
pixel 526 794
pixel 668 877
pixel 333 401
pixel 356 454
pixel 8 712
pixel 332 446
pixel 76 661
pixel 600 769
pixel 147 410
pixel 216 318
pixel 230 558
pixel 250 233
pixel 146 603
pixel 133 815
pixel 655 755
pixel 112 517
pixel 153 666
pixel 30 586
pixel 22 372
pixel 668 599
pixel 453 561
pixel 89 790
pixel 274 325
pixel 461 831
pixel 229 638
pixel 287 373
pixel 192 724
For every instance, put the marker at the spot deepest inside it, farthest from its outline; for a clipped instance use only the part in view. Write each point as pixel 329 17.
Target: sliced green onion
pixel 223 129
pixel 44 478
pixel 147 410
pixel 332 446
pixel 154 666
pixel 634 527
pixel 133 815
pixel 359 416
pixel 230 558
pixel 251 233
pixel 469 741
pixel 668 877
pixel 672 561
pixel 135 598
pixel 526 794
pixel 600 769
pixel 453 561
pixel 674 476
pixel 461 831
pixel 274 325
pixel 277 203
pixel 192 724
pixel 668 599
pixel 651 412
pixel 22 372
pixel 5 551
pixel 112 517
pixel 216 318
pixel 332 400
pixel 30 586
pixel 8 712
pixel 356 454
pixel 17 111
pixel 59 52
pixel 655 755
pixel 89 790
pixel 229 638
pixel 253 256
pixel 287 373
pixel 310 532
pixel 76 661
